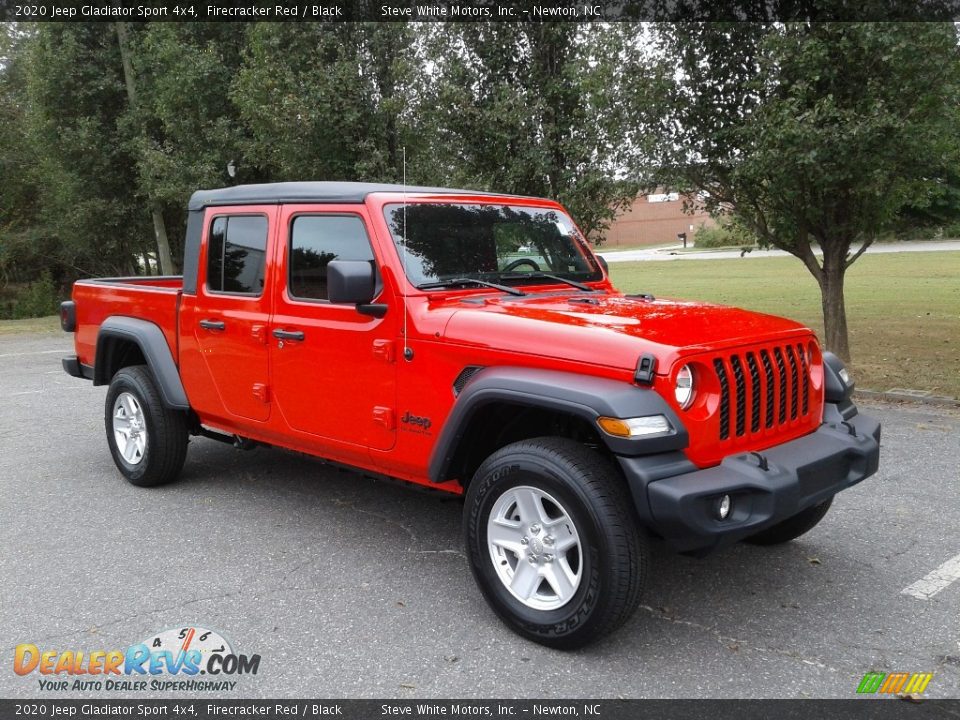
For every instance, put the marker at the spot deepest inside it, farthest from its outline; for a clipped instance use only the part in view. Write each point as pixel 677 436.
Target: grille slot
pixel 741 394
pixel 724 398
pixel 754 393
pixel 794 383
pixel 769 385
pixel 771 402
pixel 805 387
pixel 782 375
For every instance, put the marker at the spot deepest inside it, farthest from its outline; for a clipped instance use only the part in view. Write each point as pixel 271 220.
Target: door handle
pixel 213 324
pixel 288 334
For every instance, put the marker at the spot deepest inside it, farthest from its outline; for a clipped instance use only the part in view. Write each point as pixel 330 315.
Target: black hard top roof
pixel 310 192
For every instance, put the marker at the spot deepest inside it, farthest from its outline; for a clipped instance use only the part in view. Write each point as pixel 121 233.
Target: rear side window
pixel 315 240
pixel 236 252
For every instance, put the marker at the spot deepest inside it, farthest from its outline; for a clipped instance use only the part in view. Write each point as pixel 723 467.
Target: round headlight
pixel 684 388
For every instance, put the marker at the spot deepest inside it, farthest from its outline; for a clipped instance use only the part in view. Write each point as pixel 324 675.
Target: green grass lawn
pixel 49 324
pixel 903 309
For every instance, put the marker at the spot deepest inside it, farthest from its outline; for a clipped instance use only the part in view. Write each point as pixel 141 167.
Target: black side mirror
pixel 603 263
pixel 354 282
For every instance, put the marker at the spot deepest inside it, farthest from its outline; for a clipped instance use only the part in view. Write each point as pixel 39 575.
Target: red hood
pixel 611 329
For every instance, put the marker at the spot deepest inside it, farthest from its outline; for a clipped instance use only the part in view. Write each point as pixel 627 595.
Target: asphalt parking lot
pixel 349 587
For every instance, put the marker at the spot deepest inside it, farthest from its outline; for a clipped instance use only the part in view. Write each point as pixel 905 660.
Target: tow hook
pixel 761 461
pixel 850 428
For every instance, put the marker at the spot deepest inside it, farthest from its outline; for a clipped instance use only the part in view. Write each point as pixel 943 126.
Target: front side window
pixel 502 243
pixel 236 254
pixel 315 240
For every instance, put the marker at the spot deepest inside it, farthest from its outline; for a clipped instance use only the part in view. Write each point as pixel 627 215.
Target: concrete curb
pixel 940 400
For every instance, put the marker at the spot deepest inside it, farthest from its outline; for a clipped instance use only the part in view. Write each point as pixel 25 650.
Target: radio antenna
pixel 407 352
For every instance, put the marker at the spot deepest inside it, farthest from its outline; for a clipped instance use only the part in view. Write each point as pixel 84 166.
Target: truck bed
pixel 155 299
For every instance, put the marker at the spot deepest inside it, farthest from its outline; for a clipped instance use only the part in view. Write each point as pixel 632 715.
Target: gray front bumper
pixel 799 474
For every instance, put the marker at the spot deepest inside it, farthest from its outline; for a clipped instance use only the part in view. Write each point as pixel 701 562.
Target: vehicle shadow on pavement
pixel 739 597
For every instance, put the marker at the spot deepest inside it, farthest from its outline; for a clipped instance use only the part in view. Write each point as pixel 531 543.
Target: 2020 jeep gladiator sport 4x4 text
pixel 472 342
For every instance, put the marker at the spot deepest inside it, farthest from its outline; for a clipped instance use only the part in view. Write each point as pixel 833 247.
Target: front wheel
pixel 148 441
pixel 553 543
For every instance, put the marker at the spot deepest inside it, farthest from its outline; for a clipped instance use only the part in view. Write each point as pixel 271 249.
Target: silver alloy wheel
pixel 129 428
pixel 535 548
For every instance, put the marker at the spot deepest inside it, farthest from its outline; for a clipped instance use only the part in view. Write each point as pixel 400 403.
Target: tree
pixel 21 244
pixel 534 109
pixel 939 209
pixel 187 129
pixel 75 109
pixel 156 211
pixel 809 133
pixel 328 101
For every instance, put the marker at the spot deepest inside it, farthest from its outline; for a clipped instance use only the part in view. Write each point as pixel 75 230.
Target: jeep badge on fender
pixel 423 423
pixel 574 420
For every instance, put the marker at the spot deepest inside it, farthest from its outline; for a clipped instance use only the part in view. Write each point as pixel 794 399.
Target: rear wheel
pixel 148 441
pixel 553 543
pixel 792 527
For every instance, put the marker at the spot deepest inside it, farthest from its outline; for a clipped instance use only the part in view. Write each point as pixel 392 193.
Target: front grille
pixel 761 389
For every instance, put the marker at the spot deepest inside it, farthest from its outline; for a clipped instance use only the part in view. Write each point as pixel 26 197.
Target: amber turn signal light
pixel 634 427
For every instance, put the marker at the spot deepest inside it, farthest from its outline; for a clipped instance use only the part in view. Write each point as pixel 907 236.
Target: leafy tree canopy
pixel 812 134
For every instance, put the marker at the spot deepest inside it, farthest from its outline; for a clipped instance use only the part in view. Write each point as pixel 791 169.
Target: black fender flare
pixel 150 339
pixel 583 396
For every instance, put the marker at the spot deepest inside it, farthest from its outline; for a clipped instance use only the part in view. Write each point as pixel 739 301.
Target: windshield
pixel 506 244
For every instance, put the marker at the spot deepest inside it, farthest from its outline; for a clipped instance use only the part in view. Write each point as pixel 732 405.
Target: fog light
pixel 723 507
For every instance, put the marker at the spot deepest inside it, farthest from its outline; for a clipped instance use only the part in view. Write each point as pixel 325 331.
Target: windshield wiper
pixel 548 276
pixel 469 281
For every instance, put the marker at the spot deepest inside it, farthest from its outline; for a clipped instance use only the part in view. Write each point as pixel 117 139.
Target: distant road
pixel 671 252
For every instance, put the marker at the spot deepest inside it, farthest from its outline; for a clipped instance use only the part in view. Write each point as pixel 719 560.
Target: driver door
pixel 333 374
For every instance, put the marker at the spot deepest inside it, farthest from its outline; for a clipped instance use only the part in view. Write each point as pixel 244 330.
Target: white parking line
pixel 35 352
pixel 935 581
pixel 55 386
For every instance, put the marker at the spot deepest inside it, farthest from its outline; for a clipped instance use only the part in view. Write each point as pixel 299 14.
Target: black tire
pixel 614 549
pixel 166 430
pixel 792 527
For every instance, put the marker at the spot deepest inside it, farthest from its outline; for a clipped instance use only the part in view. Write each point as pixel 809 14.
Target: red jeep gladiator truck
pixel 472 343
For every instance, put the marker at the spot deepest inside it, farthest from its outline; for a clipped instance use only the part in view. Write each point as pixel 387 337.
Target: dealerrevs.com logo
pixel 168 661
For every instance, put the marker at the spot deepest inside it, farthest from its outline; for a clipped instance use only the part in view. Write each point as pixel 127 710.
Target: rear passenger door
pixel 333 368
pixel 233 310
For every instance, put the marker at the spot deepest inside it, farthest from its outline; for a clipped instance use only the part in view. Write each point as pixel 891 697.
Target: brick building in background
pixel 654 220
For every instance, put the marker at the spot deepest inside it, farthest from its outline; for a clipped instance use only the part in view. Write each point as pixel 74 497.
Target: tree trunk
pixel 163 243
pixel 159 227
pixel 834 311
